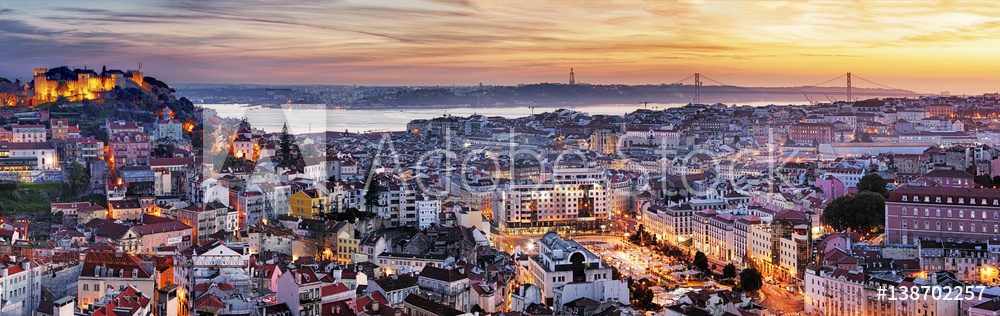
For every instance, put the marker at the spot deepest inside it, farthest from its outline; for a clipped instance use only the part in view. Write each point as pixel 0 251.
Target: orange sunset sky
pixel 925 46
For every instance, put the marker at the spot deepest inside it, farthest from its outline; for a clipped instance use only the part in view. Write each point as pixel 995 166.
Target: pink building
pixel 941 213
pixel 832 187
pixel 130 148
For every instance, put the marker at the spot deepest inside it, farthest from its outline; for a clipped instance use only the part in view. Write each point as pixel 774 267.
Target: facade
pixel 169 129
pixel 301 290
pixel 576 197
pixel 28 156
pixel 672 224
pixel 941 214
pixel 561 261
pixel 205 219
pixel 117 271
pixel 29 133
pixel 448 286
pixel 807 133
pixel 308 203
pixel 129 148
pixel 428 208
pixel 59 128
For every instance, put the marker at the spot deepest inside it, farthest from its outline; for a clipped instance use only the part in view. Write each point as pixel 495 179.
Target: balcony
pixel 306 299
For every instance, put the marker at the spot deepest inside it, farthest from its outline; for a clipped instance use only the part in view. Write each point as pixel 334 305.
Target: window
pixel 904 224
pixel 927 225
pixel 961 227
pixel 904 211
pixel 938 213
pixel 938 226
pixel 949 213
pixel 949 225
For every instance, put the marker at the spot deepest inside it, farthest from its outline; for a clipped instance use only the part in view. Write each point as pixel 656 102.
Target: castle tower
pixel 572 80
pixel 41 86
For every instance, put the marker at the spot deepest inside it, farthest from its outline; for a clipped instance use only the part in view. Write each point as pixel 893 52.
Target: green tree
pixel 700 261
pixel 751 280
pixel 285 144
pixel 729 271
pixel 79 179
pixel 862 212
pixel 165 150
pixel 371 195
pixel 872 182
pixel 4 80
pixel 984 180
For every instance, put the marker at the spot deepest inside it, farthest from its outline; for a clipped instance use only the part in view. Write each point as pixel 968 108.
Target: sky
pixel 927 47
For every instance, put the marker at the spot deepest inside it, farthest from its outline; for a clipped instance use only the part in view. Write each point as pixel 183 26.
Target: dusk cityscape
pixel 515 158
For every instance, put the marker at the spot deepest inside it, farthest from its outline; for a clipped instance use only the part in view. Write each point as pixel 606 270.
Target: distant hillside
pixel 554 94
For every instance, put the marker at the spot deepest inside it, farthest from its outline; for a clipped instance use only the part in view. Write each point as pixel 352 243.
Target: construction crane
pixel 189 262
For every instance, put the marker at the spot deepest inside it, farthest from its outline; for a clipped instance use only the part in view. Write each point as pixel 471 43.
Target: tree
pixel 751 280
pixel 165 150
pixel 872 182
pixel 285 144
pixel 79 179
pixel 371 195
pixel 862 212
pixel 984 180
pixel 729 271
pixel 996 181
pixel 8 93
pixel 700 261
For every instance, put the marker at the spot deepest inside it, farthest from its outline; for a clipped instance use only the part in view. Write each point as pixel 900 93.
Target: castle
pixel 87 86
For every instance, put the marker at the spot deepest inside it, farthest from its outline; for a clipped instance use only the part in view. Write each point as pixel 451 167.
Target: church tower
pixel 572 80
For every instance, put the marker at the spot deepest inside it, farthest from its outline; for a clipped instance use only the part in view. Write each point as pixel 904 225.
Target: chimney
pixel 399 312
pixel 375 306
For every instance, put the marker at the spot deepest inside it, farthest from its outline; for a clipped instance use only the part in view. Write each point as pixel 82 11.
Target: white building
pixel 576 197
pixel 561 262
pixel 428 208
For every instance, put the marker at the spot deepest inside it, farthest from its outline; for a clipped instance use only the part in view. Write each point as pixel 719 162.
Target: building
pixel 59 128
pixel 29 133
pixel 809 133
pixel 560 261
pixel 129 148
pixel 416 305
pixel 448 286
pixel 672 224
pixel 159 232
pixel 117 271
pixel 28 156
pixel 308 203
pixel 396 262
pixel 941 214
pixel 87 85
pixel 395 287
pixel 970 262
pixel 205 219
pixel 575 198
pixel 301 290
pixel 169 129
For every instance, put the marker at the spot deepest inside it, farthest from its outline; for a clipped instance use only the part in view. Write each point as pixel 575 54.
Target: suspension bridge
pixel 852 86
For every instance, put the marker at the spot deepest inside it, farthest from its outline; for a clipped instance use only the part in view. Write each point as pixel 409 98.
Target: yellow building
pixel 347 246
pixel 308 203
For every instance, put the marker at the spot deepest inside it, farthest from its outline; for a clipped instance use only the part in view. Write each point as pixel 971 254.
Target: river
pixel 313 120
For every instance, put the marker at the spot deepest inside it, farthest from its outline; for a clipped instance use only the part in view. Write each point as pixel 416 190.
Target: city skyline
pixel 926 47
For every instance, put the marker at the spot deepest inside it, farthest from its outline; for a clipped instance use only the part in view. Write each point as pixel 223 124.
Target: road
pixel 779 300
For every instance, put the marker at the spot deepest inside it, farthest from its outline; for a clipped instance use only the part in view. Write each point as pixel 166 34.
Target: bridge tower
pixel 850 98
pixel 697 88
